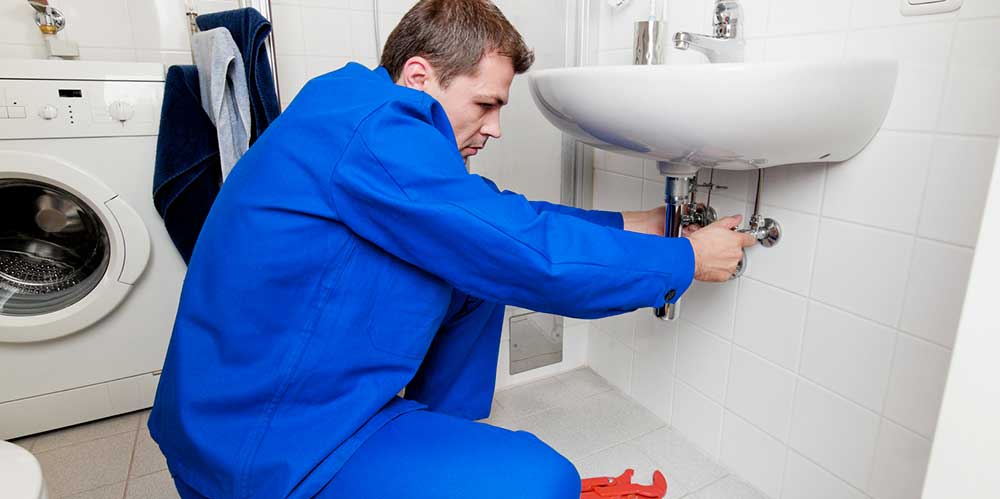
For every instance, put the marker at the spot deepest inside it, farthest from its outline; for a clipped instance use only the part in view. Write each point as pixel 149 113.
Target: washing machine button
pixel 16 112
pixel 48 112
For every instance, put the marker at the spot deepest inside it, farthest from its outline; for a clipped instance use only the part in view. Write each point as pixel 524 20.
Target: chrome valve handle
pixel 766 231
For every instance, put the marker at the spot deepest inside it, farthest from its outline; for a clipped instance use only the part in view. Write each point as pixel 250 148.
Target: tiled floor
pixel 578 413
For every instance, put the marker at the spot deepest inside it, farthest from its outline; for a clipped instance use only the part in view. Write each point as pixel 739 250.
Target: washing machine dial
pixel 121 111
pixel 48 112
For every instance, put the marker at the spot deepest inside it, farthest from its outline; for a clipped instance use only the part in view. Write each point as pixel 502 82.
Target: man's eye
pixel 486 105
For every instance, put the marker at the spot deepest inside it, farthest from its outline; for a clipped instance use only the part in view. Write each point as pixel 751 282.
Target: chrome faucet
pixel 727 44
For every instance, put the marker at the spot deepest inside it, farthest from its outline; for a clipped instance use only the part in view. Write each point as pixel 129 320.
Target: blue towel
pixel 250 30
pixel 188 173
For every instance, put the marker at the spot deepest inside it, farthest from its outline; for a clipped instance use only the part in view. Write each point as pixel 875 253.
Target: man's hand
pixel 718 249
pixel 652 222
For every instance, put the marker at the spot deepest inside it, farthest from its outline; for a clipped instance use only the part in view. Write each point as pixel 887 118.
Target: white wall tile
pixel 939 275
pixel 614 192
pixel 618 163
pixel 923 51
pixel 317 65
pixel 970 103
pixel 711 306
pixel 652 194
pixel 919 371
pixel 97 23
pixel 862 270
pixel 789 263
pixel 652 386
pixel 327 31
pixel 848 355
pixel 610 359
pixel 702 360
pixel 891 171
pixel 797 187
pixel 979 8
pixel 656 341
pixel 900 463
pixel 761 393
pixel 801 16
pixel 754 455
pixel 769 322
pixel 961 168
pixel 292 76
pixel 697 418
pixel 362 35
pixel 17 23
pixel 976 42
pixel 806 47
pixel 159 24
pixel 755 14
pixel 834 432
pixel 619 327
pixel 289 32
pixel 805 480
pixel 689 15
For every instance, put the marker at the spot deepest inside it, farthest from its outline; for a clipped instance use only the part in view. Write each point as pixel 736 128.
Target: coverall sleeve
pixel 599 217
pixel 401 184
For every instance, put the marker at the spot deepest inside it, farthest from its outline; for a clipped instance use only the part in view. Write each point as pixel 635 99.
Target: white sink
pixel 729 116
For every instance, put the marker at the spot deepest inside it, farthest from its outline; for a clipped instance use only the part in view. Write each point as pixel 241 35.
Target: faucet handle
pixel 728 14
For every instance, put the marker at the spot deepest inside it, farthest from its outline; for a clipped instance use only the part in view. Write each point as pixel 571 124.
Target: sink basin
pixel 728 116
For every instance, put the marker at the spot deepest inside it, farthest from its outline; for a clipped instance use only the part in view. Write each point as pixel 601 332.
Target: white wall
pixel 821 373
pixel 108 30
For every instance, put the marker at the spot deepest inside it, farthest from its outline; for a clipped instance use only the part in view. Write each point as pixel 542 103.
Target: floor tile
pixel 583 382
pixel 147 457
pixel 532 398
pixel 727 488
pixel 155 486
pixel 115 491
pixel 687 469
pixel 85 432
pixel 87 466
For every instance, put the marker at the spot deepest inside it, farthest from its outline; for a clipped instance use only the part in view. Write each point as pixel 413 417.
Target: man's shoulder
pixel 355 91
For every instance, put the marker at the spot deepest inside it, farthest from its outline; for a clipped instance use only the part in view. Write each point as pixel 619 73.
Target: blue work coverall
pixel 351 255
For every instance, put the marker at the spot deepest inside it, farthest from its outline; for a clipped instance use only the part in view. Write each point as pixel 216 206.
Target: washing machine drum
pixel 54 249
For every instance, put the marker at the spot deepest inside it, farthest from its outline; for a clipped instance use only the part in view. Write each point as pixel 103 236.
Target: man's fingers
pixel 729 222
pixel 747 240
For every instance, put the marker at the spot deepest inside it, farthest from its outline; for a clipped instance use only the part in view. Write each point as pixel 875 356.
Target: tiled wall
pixel 820 373
pixel 108 30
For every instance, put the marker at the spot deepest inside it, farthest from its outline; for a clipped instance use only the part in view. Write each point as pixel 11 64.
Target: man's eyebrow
pixel 495 99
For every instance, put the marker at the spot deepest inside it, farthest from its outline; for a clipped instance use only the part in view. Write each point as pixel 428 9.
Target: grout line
pixel 706 486
pixel 128 474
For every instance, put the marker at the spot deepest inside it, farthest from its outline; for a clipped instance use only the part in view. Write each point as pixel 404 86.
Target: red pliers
pixel 622 487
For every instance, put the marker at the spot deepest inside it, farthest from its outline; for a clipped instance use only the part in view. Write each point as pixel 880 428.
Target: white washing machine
pixel 89 280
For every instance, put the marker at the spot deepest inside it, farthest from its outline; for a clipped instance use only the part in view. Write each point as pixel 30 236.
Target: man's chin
pixel 469 152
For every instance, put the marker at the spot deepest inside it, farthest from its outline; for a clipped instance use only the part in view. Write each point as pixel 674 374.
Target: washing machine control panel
pixel 68 108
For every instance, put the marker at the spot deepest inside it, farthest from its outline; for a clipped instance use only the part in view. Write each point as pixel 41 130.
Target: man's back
pixel 278 296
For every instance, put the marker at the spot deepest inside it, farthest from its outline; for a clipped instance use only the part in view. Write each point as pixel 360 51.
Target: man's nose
pixel 491 128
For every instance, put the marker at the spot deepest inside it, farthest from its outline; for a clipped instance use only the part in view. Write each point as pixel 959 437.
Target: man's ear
pixel 417 73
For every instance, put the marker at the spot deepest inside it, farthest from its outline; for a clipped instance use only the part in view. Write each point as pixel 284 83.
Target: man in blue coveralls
pixel 351 255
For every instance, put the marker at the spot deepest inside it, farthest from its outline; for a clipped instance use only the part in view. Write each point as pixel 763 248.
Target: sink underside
pixel 728 116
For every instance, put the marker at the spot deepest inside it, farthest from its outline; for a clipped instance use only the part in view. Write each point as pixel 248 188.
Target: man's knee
pixel 551 475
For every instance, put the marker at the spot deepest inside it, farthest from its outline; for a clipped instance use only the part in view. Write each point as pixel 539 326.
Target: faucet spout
pixel 718 50
pixel 726 44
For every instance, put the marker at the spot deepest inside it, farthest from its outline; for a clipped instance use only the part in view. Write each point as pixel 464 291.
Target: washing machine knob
pixel 48 112
pixel 121 111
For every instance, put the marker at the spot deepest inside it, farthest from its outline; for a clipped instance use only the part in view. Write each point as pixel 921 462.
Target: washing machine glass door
pixel 54 249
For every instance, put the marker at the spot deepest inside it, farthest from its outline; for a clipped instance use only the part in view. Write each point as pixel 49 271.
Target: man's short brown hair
pixel 454 35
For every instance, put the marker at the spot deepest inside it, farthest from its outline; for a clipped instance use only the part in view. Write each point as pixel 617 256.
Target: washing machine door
pixel 70 248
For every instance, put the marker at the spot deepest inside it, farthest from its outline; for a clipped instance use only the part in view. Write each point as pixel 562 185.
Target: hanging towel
pixel 224 94
pixel 249 30
pixel 188 171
